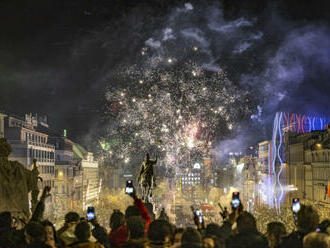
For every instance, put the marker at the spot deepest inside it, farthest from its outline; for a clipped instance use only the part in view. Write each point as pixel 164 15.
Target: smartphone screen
pixel 235 202
pixel 200 216
pixel 295 205
pixel 129 187
pixel 90 213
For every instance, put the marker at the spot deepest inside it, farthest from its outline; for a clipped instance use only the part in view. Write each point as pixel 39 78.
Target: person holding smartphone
pixel 295 207
pixel 307 220
pixel 138 203
pixel 237 208
pixel 198 218
pixel 119 235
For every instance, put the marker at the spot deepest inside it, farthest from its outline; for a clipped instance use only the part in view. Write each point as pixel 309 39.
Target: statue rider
pixel 146 177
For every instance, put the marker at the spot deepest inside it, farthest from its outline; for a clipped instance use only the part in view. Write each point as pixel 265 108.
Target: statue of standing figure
pixel 35 189
pixel 16 182
pixel 146 177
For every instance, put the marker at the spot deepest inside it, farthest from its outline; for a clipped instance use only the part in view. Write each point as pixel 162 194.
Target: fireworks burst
pixel 170 110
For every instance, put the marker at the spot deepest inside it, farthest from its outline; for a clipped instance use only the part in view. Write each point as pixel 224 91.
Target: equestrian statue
pixel 146 177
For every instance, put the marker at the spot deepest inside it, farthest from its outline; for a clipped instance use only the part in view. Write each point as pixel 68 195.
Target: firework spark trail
pixel 172 109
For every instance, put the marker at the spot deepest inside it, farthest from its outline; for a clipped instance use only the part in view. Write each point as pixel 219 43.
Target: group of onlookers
pixel 137 227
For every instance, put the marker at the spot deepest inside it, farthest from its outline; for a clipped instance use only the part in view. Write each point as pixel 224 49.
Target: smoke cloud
pixel 280 64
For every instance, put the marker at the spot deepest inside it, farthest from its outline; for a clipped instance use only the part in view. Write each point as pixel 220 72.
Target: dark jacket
pixel 247 239
pixel 294 239
pixel 38 245
pixel 12 238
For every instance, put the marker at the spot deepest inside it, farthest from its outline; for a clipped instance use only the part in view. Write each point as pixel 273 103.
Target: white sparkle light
pixel 174 115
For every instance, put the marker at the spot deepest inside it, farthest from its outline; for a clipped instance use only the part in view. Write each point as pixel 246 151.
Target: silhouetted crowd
pixel 139 228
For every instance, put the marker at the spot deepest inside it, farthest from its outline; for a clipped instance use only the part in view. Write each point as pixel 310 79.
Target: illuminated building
pixel 193 176
pixel 308 166
pixel 112 176
pixel 67 184
pixel 2 125
pixel 91 182
pixel 28 143
pixel 264 157
pixel 283 123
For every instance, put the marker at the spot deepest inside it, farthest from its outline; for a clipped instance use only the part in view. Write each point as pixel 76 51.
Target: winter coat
pixel 119 237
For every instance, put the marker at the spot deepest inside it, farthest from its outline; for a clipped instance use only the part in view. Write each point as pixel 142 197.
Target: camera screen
pixel 296 206
pixel 235 203
pixel 90 213
pixel 129 187
pixel 129 190
pixel 200 216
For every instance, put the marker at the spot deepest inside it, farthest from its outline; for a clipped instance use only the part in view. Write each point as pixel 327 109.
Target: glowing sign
pixel 197 166
pixel 284 122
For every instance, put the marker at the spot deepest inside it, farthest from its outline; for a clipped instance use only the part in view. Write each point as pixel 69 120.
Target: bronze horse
pixel 146 177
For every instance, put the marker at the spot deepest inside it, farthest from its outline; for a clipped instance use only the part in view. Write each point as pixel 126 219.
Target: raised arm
pixel 142 209
pixel 40 208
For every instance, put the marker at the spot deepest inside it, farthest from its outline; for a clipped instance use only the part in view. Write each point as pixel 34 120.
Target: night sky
pixel 56 56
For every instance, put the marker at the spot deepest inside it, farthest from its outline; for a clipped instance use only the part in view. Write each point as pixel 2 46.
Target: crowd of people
pixel 139 227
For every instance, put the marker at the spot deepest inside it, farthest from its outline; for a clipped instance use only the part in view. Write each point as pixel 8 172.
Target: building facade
pixel 91 182
pixel 113 177
pixel 29 144
pixel 64 181
pixel 2 125
pixel 264 157
pixel 308 166
pixel 68 183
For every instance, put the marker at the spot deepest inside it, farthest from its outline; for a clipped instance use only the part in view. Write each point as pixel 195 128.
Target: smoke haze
pixel 62 66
